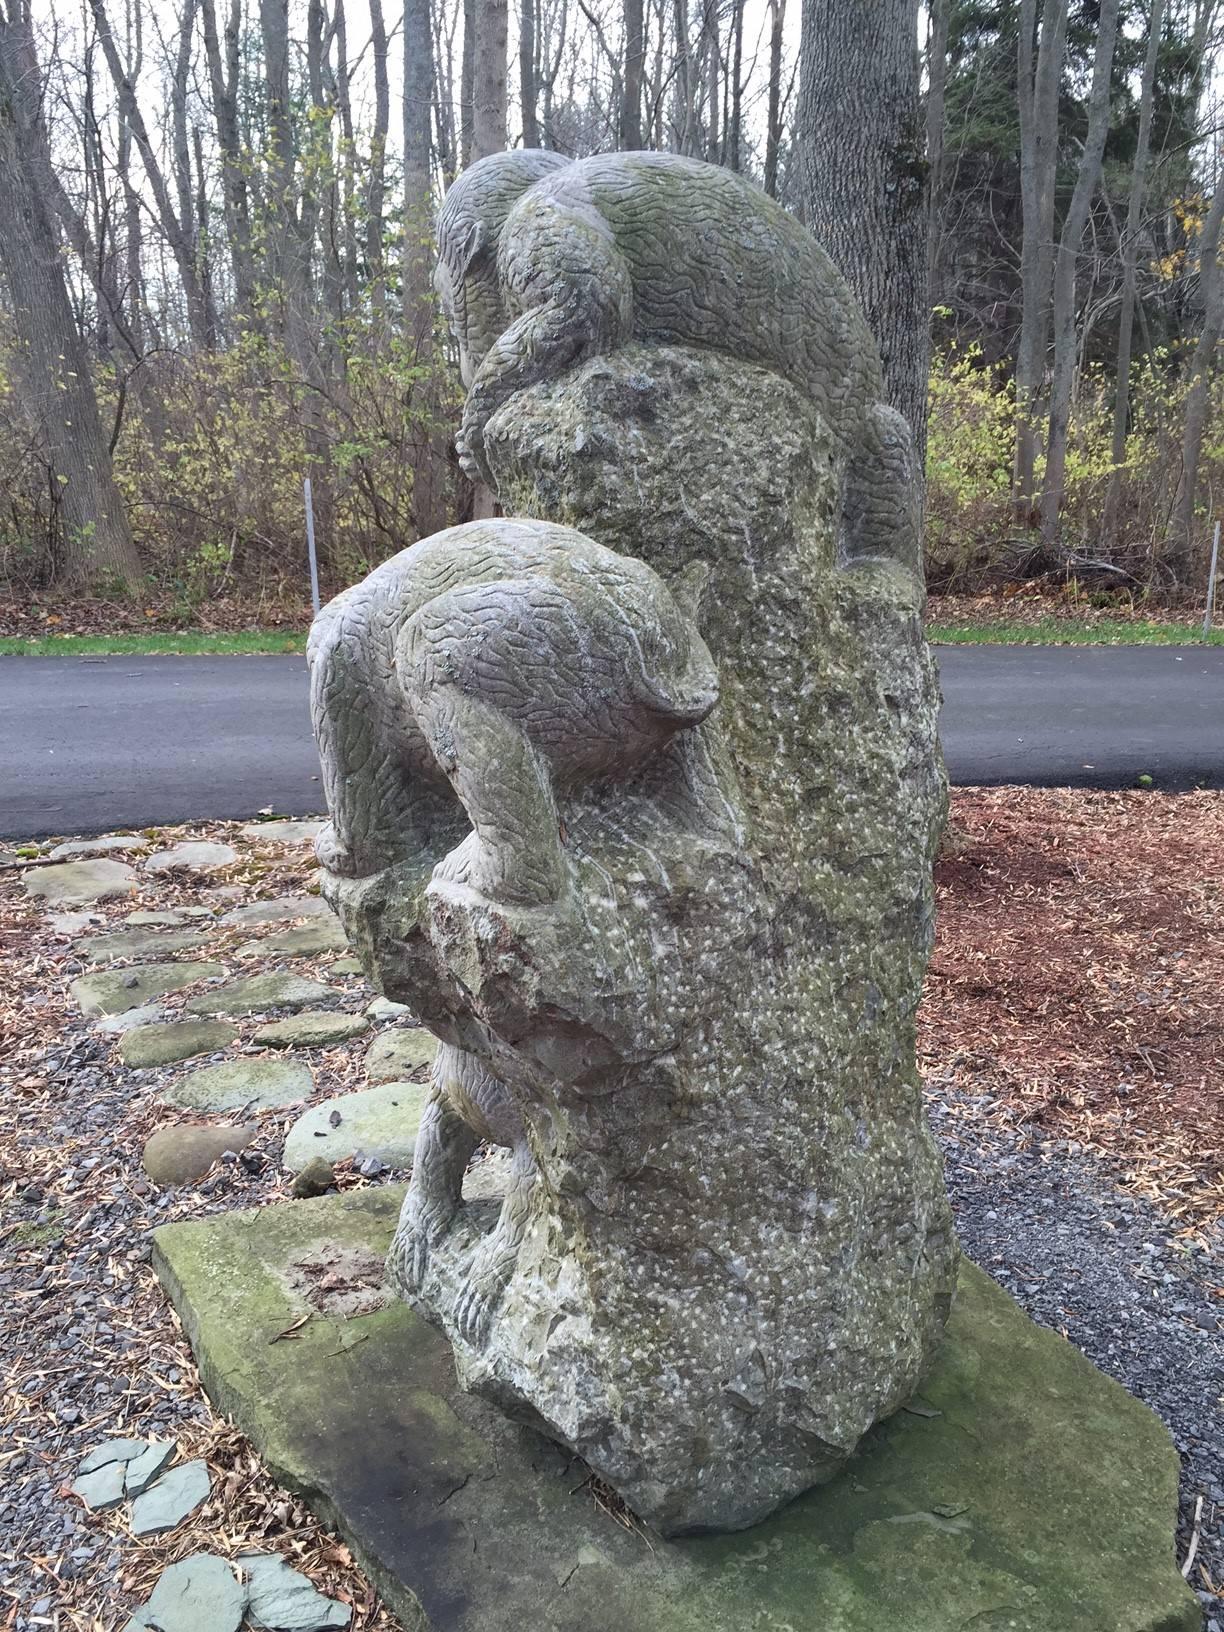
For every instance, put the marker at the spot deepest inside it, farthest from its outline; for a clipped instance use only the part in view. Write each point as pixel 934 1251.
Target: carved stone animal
pixel 544 262
pixel 498 662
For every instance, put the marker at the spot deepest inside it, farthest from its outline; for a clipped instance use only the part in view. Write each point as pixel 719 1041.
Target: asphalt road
pixel 91 744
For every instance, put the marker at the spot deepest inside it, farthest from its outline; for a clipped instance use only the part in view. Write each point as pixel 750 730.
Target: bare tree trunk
pixel 1086 182
pixel 629 135
pixel 467 86
pixel 223 75
pixel 1179 554
pixel 492 38
pixel 735 118
pixel 54 363
pixel 1038 88
pixel 860 147
pixel 1130 261
pixel 429 462
pixel 937 79
pixel 528 89
pixel 773 122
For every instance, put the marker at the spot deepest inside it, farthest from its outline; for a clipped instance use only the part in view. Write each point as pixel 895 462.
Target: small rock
pixel 315 1179
pixel 181 1155
pixel 260 1084
pixel 379 1121
pixel 194 856
pixel 113 991
pixel 284 832
pixel 170 1500
pixel 395 1055
pixel 198 1594
pixel 254 994
pixel 283 909
pixel 99 847
pixel 101 1490
pixel 148 1014
pixel 115 1450
pixel 180 1040
pixel 144 1469
pixel 74 883
pixel 382 1008
pixel 282 1598
pixel 71 923
pixel 314 1029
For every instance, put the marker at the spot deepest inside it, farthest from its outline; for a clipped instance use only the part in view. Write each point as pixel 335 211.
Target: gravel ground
pixel 1090 1261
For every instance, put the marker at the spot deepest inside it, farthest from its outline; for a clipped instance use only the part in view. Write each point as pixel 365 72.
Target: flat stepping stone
pixel 308 941
pixel 281 1597
pixel 382 1008
pixel 102 1489
pixel 380 1122
pixel 115 1450
pixel 345 966
pixel 144 1469
pixel 171 1499
pixel 72 923
pixel 76 883
pixel 256 994
pixel 198 1594
pixel 168 919
pixel 284 832
pixel 112 843
pixel 120 989
pixel 138 943
pixel 283 909
pixel 234 1084
pixel 311 1030
pixel 179 1040
pixel 193 856
pixel 395 1055
pixel 148 1014
pixel 183 1154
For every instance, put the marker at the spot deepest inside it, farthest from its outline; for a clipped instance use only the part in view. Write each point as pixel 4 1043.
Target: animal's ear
pixel 688 587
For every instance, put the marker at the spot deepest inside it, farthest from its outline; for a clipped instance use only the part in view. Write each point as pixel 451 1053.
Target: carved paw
pixel 476 1306
pixel 334 855
pixel 469 445
pixel 413 1240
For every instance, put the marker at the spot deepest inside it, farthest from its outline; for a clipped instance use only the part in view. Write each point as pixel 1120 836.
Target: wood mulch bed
pixel 1078 979
pixel 56 612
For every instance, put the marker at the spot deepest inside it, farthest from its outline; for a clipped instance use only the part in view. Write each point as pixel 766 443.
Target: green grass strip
pixel 171 643
pixel 1057 632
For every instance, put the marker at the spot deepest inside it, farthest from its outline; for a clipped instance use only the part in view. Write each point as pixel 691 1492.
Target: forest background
pixel 215 264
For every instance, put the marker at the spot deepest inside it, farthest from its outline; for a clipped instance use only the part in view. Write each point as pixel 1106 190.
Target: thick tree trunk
pixel 1179 550
pixel 937 78
pixel 529 91
pixel 53 360
pixel 1038 90
pixel 863 175
pixel 467 85
pixel 223 76
pixel 1130 261
pixel 491 46
pixel 629 134
pixel 773 120
pixel 1086 181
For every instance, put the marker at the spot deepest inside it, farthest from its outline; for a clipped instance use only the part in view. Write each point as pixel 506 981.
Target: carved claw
pixel 333 855
pixel 413 1241
pixel 475 1307
pixel 469 445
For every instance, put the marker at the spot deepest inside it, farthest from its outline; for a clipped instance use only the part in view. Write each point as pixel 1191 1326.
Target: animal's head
pixel 470 221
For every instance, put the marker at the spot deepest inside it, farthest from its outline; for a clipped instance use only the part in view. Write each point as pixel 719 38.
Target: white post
pixel 1211 581
pixel 310 545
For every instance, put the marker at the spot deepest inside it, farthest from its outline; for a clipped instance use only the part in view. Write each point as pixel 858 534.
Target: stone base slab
pixel 1023 1491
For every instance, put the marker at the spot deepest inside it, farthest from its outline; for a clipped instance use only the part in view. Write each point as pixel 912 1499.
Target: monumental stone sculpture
pixel 636 804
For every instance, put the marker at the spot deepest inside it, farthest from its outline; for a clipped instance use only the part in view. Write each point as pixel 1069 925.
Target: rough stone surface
pixel 163 1044
pixel 311 1030
pixel 75 883
pixel 193 856
pixel 380 1121
pixel 102 1489
pixel 138 943
pixel 345 966
pixel 181 1155
pixel 400 1053
pixel 143 1470
pixel 283 909
pixel 255 994
pixel 310 941
pixel 71 923
pixel 148 1014
pixel 112 843
pixel 284 832
pixel 672 949
pixel 315 1179
pixel 283 1598
pixel 169 919
pixel 1024 1493
pixel 120 989
pixel 246 1082
pixel 171 1499
pixel 198 1594
pixel 382 1008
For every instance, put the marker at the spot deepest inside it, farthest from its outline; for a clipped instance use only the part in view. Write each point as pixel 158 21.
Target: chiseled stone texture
pixel 1031 1493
